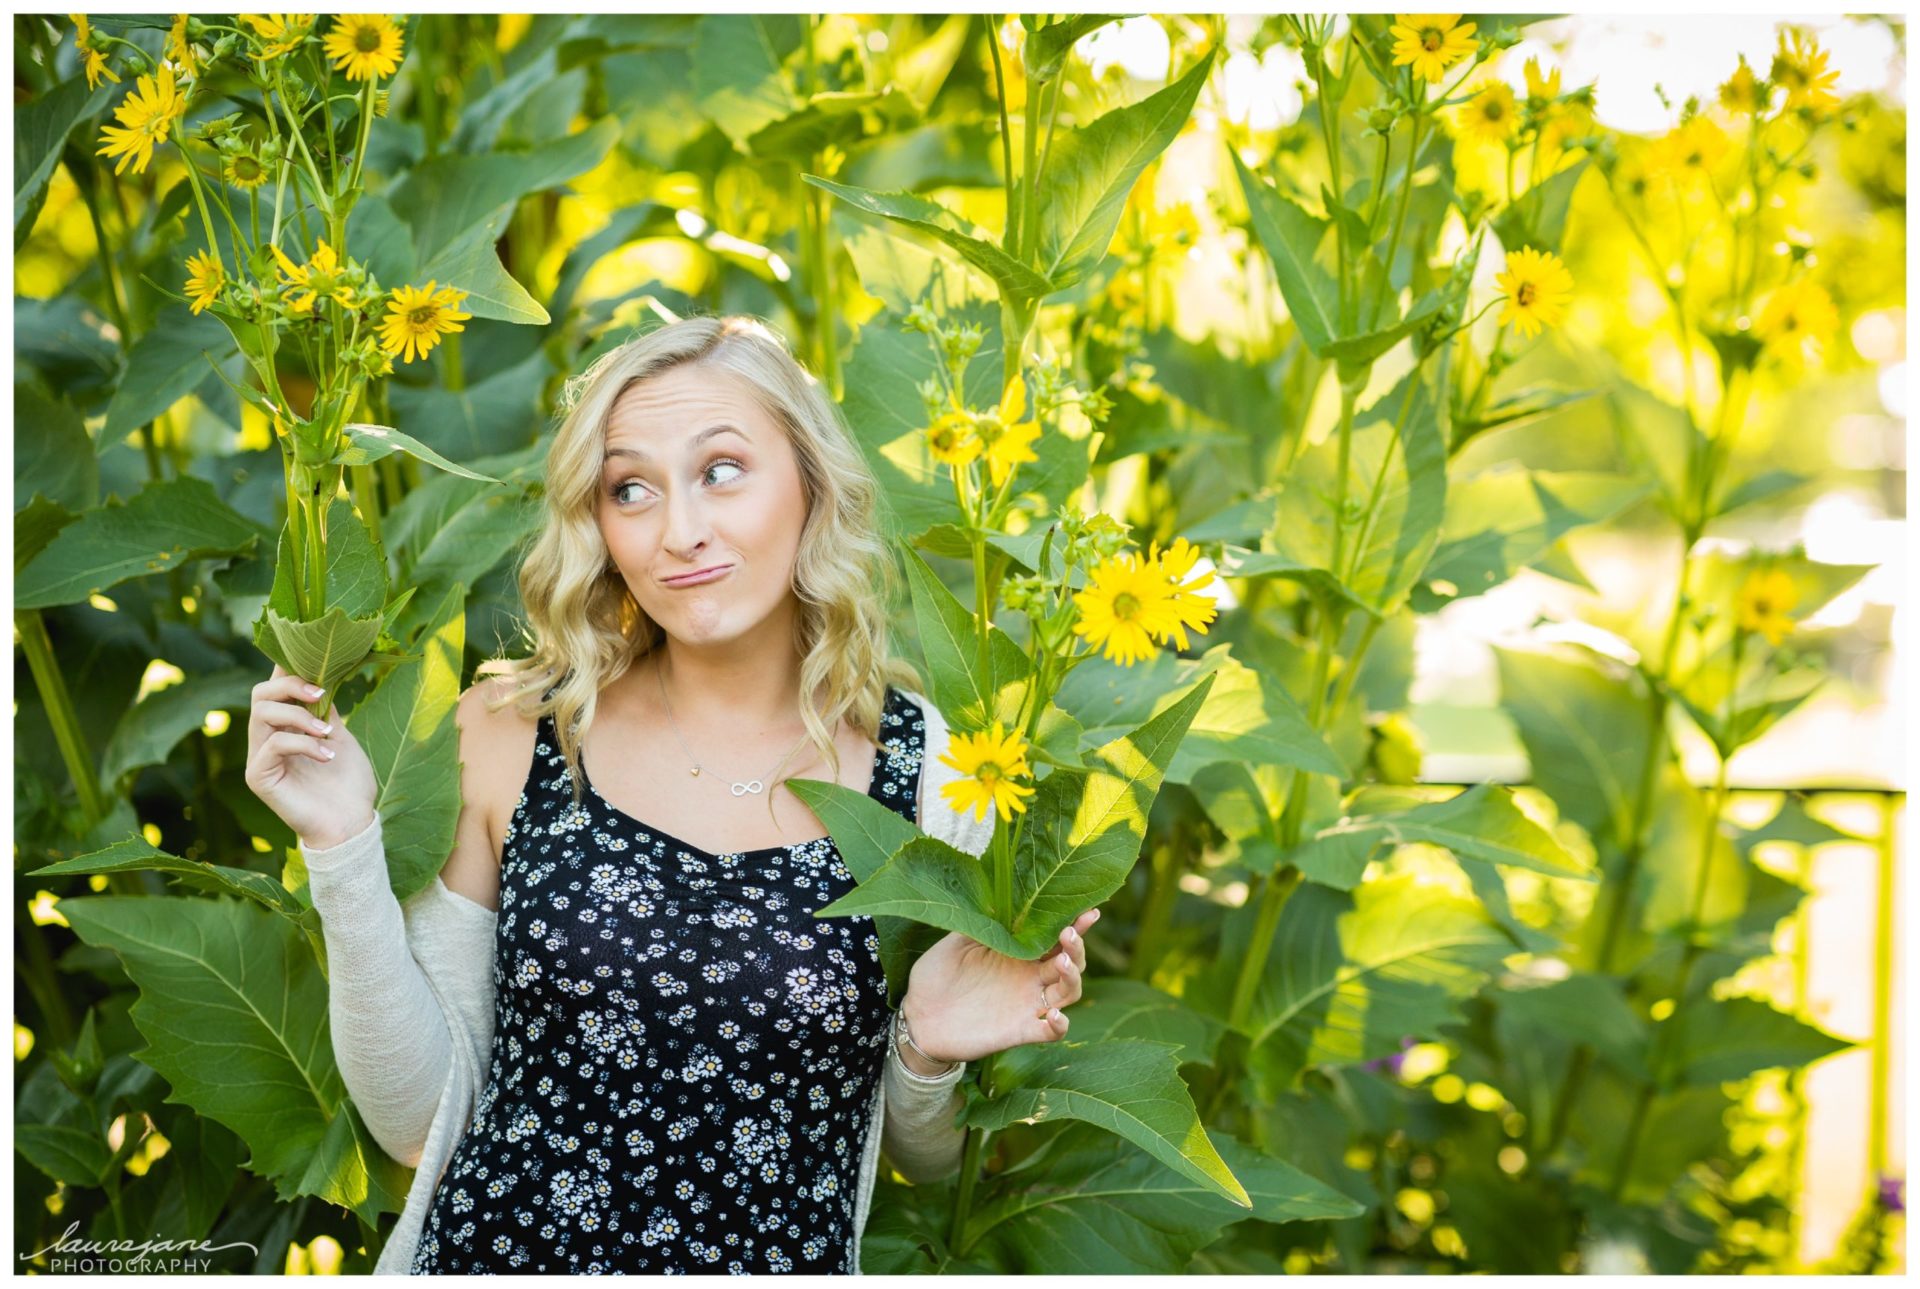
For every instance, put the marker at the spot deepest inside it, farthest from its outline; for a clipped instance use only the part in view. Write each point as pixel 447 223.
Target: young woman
pixel 610 1035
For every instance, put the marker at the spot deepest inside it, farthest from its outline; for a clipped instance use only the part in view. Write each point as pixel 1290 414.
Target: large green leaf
pixel 406 726
pixel 1045 50
pixel 1096 1205
pixel 165 365
pixel 1350 974
pixel 1582 1008
pixel 325 651
pixel 1082 835
pixel 1396 475
pixel 40 129
pixel 974 245
pixel 1539 217
pixel 135 854
pixel 1719 1040
pixel 1291 238
pixel 368 443
pixel 165 525
pixel 952 652
pixel 1116 1007
pixel 737 76
pixel 473 541
pixel 152 728
pixel 1503 519
pixel 53 455
pixel 1128 1086
pixel 1583 721
pixel 234 1010
pixel 1480 825
pixel 1091 170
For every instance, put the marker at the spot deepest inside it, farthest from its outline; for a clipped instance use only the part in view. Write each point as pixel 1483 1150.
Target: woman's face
pixel 697 475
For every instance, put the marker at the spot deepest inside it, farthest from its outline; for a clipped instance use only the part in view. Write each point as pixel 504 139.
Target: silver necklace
pixel 738 789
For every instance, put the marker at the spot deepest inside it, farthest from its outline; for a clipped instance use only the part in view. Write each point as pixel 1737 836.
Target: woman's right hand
pixel 321 785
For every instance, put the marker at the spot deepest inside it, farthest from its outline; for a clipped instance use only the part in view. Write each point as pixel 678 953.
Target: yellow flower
pixel 952 441
pixel 1190 608
pixel 179 49
pixel 364 45
pixel 1491 116
pixel 1536 286
pixel 1432 42
pixel 244 170
pixel 145 117
pixel 91 59
pixel 417 317
pixel 279 33
pixel 1741 92
pixel 1801 69
pixel 323 275
pixel 1009 439
pixel 1693 149
pixel 1795 311
pixel 991 761
pixel 1128 606
pixel 1541 88
pixel 1763 604
pixel 205 280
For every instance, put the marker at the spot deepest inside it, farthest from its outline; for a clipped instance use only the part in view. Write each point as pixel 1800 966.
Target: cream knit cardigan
pixel 411 1006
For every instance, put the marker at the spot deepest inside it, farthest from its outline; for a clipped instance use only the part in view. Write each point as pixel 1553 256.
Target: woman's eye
pixel 619 489
pixel 727 462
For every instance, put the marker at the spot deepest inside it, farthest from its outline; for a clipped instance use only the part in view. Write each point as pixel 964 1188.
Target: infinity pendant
pixel 742 789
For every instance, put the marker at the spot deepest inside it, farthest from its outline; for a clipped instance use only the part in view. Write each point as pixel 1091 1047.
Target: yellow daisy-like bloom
pixel 364 45
pixel 1741 92
pixel 1801 69
pixel 991 761
pixel 1537 287
pixel 1795 311
pixel 417 317
pixel 1128 607
pixel 1541 87
pixel 1492 116
pixel 145 117
pixel 952 441
pixel 279 33
pixel 205 280
pixel 179 49
pixel 1190 608
pixel 1432 42
pixel 244 170
pixel 91 60
pixel 1693 149
pixel 1763 603
pixel 320 276
pixel 1009 440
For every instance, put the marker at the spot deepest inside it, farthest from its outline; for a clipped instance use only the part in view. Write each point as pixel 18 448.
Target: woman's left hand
pixel 965 1001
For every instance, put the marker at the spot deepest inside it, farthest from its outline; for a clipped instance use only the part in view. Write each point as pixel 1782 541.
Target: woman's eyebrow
pixel 641 454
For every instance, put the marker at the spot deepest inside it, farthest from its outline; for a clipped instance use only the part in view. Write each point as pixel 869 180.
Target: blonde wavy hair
pixel 586 629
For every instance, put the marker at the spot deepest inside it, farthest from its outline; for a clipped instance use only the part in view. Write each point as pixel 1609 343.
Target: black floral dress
pixel 683 1057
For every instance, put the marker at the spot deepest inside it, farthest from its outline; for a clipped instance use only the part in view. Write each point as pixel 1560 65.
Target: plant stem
pixel 1012 235
pixel 963 1199
pixel 67 734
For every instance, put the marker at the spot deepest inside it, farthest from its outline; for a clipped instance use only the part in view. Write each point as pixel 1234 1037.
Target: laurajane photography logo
pixel 68 1255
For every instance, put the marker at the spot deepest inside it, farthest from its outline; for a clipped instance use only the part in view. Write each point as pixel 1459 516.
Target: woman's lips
pixel 702 577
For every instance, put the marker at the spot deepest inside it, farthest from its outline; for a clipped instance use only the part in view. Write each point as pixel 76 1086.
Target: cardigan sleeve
pixel 391 1037
pixel 919 1135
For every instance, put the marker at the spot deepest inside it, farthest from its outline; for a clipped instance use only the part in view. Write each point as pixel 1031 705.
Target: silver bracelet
pixel 904 1033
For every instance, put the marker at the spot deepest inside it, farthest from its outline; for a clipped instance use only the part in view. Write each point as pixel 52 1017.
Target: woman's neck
pixel 747 694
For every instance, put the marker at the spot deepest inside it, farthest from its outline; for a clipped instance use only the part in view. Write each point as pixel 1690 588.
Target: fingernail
pixel 313 691
pixel 1072 935
pixel 1096 917
pixel 327 752
pixel 1054 1014
pixel 1064 961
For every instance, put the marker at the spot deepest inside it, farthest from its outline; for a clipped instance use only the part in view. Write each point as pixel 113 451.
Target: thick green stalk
pixel 963 1198
pixel 67 735
pixel 1879 1086
pixel 1012 235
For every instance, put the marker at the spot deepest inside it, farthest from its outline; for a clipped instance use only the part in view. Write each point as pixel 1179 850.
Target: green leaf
pixel 1582 1008
pixel 1128 1086
pixel 325 651
pixel 472 264
pixel 406 726
pixel 371 442
pixel 164 526
pixel 153 727
pixel 35 525
pixel 737 76
pixel 1092 169
pixel 1583 722
pixel 40 129
pixel 164 366
pixel 1094 1205
pixel 1539 217
pixel 1116 1007
pixel 1507 517
pixel 53 454
pixel 135 854
pixel 495 414
pixel 1719 1040
pixel 1045 51
pixel 234 1010
pixel 480 534
pixel 1350 973
pixel 1480 825
pixel 1291 238
pixel 75 1155
pixel 952 652
pixel 832 118
pixel 908 210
